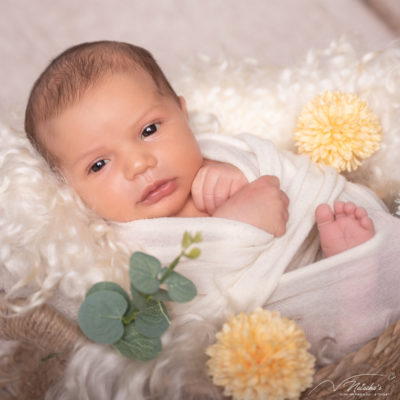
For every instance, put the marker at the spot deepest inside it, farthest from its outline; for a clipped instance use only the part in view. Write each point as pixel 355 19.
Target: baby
pixel 107 120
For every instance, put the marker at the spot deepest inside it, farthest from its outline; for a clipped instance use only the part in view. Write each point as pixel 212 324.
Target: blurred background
pixel 276 32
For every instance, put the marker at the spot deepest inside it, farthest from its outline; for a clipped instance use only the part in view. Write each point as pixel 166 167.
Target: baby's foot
pixel 347 227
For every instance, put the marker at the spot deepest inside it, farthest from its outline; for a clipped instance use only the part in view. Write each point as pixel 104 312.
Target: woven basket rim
pixel 37 328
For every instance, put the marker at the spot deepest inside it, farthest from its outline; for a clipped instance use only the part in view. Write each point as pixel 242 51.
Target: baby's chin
pixel 157 212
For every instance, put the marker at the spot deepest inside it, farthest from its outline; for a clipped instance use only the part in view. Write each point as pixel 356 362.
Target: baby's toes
pixel 350 209
pixel 360 212
pixel 324 215
pixel 367 224
pixel 338 206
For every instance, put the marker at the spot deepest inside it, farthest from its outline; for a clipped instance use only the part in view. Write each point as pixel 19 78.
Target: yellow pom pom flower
pixel 337 129
pixel 261 356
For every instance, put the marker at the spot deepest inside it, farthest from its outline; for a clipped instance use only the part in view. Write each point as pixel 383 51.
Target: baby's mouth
pixel 158 190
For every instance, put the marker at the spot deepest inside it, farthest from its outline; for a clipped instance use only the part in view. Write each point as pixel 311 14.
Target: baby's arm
pixel 223 191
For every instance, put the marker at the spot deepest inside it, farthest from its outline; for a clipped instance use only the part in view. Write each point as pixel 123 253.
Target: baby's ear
pixel 182 103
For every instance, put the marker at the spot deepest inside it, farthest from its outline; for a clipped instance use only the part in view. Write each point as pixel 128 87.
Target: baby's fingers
pixel 221 191
pixel 285 199
pixel 197 190
pixel 280 228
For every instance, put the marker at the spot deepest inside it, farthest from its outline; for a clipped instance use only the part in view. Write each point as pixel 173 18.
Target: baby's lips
pixel 158 190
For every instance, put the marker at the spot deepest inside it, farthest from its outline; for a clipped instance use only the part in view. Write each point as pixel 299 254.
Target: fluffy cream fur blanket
pixel 52 248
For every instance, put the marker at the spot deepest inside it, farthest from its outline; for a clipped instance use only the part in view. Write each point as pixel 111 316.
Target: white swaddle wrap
pixel 243 267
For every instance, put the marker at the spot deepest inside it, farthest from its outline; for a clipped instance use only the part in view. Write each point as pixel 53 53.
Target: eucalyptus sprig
pixel 134 323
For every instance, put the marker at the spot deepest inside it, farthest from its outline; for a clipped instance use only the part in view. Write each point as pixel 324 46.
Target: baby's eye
pixel 150 129
pixel 98 165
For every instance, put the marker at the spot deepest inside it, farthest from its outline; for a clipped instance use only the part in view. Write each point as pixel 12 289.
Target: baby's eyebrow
pixel 91 152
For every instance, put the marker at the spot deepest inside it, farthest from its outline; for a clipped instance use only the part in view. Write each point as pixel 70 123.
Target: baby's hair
pixel 74 71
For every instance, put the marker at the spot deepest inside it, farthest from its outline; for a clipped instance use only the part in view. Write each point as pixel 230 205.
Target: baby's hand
pixel 215 183
pixel 260 203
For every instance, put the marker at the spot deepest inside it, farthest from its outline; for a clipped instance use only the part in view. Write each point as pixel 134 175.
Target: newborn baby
pixel 107 120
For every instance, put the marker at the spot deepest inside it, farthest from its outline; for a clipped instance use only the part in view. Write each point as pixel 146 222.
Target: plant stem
pixel 129 318
pixel 172 266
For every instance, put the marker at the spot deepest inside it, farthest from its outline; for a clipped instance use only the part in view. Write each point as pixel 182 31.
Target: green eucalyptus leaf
pixel 138 299
pixel 194 253
pixel 113 287
pixel 161 295
pixel 197 238
pixel 186 240
pixel 153 321
pixel 130 315
pixel 180 289
pixel 138 347
pixel 144 270
pixel 100 316
pixel 110 287
pixel 131 309
pixel 164 271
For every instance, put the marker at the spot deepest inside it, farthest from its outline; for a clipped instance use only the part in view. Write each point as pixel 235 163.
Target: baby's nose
pixel 138 163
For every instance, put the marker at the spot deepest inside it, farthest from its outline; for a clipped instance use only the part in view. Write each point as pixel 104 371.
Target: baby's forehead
pixel 135 76
pixel 120 86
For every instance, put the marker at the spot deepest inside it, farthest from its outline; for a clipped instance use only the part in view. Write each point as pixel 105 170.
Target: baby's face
pixel 126 149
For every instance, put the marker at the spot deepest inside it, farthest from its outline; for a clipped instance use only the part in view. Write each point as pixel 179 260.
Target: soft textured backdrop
pixel 275 32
